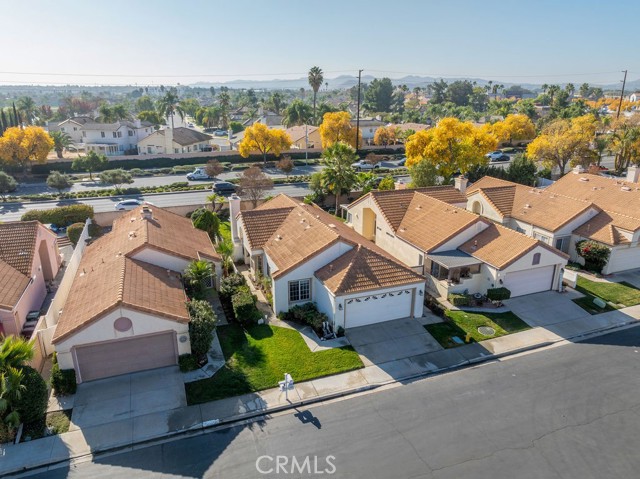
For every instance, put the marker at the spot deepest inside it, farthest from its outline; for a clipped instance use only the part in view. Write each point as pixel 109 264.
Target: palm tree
pixel 338 175
pixel 14 352
pixel 106 113
pixel 27 107
pixel 120 112
pixel 169 105
pixel 61 140
pixel 196 274
pixel 11 389
pixel 315 82
pixel 225 105
pixel 297 113
pixel 216 202
pixel 225 249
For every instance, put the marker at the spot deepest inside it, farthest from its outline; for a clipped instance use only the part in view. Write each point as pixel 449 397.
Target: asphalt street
pixel 565 412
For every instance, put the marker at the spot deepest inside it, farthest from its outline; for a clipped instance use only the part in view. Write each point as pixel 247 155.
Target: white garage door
pixel 530 281
pixel 376 308
pixel 623 259
pixel 128 355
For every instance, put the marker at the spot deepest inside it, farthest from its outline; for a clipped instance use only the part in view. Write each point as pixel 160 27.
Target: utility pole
pixel 624 82
pixel 358 111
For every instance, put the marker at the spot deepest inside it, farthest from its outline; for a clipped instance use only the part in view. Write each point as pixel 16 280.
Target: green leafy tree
pixel 58 181
pixel 152 117
pixel 7 185
pixel 206 220
pixel 595 254
pixel 32 405
pixel 145 103
pixel 438 91
pixel 316 78
pixel 196 275
pixel 522 170
pixel 338 175
pixel 117 178
pixel 90 163
pixel 387 183
pixel 201 327
pixel 379 95
pixel 459 92
pixel 236 126
pixel 423 174
pixel 27 108
pixel 297 113
pixel 61 140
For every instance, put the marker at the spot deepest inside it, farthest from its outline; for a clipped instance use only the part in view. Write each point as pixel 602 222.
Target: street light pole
pixel 624 81
pixel 358 110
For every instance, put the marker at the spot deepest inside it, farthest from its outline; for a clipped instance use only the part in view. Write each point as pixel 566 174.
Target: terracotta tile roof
pixel 17 251
pixel 308 230
pixel 606 228
pixel 260 225
pixel 500 246
pixel 393 204
pixel 540 207
pixel 428 222
pixel 299 132
pixel 608 194
pixel 186 136
pixel 108 277
pixel 362 269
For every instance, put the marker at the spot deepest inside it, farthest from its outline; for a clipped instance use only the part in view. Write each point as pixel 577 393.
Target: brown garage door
pixel 121 356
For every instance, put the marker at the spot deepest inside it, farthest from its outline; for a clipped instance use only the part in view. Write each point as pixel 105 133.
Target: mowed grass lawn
pixel 623 294
pixel 258 358
pixel 225 231
pixel 461 323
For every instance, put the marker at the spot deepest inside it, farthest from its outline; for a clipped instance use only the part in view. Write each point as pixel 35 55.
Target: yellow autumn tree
pixel 259 138
pixel 451 146
pixel 564 142
pixel 336 127
pixel 386 135
pixel 513 128
pixel 20 147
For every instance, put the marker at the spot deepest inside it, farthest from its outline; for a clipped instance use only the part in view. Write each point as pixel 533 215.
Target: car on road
pixel 198 175
pixel 403 161
pixel 190 125
pixel 502 157
pixel 223 187
pixel 364 165
pixel 494 154
pixel 220 133
pixel 127 205
pixel 209 130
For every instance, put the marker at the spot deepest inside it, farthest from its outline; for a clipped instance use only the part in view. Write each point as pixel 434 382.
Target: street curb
pixel 216 423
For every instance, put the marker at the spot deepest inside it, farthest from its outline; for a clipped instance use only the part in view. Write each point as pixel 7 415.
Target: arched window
pixel 477 207
pixel 536 258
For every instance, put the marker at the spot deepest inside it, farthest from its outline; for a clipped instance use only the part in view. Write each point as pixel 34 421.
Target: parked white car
pixel 198 174
pixel 127 205
pixel 364 165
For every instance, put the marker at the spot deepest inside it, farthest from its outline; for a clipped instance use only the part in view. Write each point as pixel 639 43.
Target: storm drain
pixel 486 331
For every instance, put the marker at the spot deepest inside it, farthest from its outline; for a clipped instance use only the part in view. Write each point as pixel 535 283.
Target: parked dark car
pixel 223 187
pixel 500 158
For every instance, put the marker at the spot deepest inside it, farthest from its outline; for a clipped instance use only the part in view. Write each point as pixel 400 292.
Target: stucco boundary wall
pixel 46 326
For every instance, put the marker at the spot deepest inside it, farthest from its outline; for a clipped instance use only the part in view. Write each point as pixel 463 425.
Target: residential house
pixel 408 127
pixel 577 206
pixel 126 310
pixel 457 250
pixel 105 138
pixel 174 140
pixel 311 255
pixel 304 136
pixel 635 96
pixel 29 258
pixel 368 128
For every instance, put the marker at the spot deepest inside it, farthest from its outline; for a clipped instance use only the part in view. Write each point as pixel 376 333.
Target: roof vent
pixel 419 207
pixel 584 178
pixel 527 206
pixel 625 188
pixel 146 213
pixel 132 219
pixel 330 267
pixel 331 225
pixel 278 237
pixel 132 234
pixel 475 245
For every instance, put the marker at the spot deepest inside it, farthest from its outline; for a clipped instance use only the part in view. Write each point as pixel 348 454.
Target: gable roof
pixel 429 222
pixel 542 208
pixel 185 136
pixel 298 232
pixel 606 227
pixel 393 204
pixel 363 269
pixel 18 243
pixel 500 246
pixel 108 276
pixel 299 132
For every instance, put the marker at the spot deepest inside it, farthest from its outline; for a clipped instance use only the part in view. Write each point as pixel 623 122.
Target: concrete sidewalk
pixel 128 432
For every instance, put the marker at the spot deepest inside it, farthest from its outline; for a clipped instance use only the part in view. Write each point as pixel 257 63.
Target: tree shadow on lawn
pixel 236 347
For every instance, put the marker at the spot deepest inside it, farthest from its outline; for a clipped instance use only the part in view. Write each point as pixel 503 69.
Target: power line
pixel 493 75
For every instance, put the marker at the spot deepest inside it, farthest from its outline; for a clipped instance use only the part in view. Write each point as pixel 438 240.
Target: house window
pixel 563 244
pixel 119 134
pixel 149 150
pixel 299 290
pixel 84 134
pixel 114 134
pixel 75 128
pixel 438 271
pixel 176 150
pixel 541 237
pixel 536 258
pixel 520 230
pixel 102 134
pixel 420 260
pixel 130 132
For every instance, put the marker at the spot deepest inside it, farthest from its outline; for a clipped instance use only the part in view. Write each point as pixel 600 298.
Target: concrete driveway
pixel 545 309
pixel 391 340
pixel 127 396
pixel 632 277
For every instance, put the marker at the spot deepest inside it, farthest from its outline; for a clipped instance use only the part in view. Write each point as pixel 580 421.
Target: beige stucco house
pixel 174 140
pixel 29 258
pixel 311 256
pixel 126 310
pixel 304 136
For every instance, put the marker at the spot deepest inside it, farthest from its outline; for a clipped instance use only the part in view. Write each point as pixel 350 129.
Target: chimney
pixel 146 213
pixel 578 170
pixel 168 140
pixel 461 184
pixel 137 123
pixel 633 174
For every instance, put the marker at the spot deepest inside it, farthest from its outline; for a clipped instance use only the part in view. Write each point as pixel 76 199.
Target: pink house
pixel 29 258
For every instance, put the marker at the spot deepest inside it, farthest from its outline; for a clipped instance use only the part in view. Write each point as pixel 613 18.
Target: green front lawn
pixel 589 306
pixel 58 422
pixel 617 293
pixel 463 323
pixel 258 358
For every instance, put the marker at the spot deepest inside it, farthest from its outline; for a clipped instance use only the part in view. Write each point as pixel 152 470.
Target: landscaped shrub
pixel 458 299
pixel 244 306
pixel 229 285
pixel 201 327
pixel 187 362
pixel 435 307
pixel 306 313
pixel 498 294
pixel 74 231
pixel 595 255
pixel 63 381
pixel 7 434
pixel 32 404
pixel 61 216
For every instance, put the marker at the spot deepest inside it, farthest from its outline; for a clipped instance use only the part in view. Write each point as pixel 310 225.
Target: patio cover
pixel 453 259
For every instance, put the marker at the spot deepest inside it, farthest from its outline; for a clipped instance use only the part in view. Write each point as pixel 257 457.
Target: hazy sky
pixel 185 41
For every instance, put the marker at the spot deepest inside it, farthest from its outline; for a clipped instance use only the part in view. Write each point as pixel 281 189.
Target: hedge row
pixel 61 216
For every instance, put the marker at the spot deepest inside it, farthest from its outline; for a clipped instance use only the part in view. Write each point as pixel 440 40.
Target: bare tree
pixel 213 168
pixel 254 183
pixel 285 165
